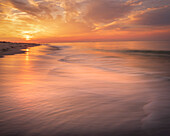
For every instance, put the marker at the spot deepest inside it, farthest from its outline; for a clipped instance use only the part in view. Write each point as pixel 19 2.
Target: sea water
pixel 87 89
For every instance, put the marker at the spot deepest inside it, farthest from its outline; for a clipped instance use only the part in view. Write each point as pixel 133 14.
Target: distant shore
pixel 9 48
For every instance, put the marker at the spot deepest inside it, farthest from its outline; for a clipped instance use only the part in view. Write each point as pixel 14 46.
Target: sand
pixel 8 48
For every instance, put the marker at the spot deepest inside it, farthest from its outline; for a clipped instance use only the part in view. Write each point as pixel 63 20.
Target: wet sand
pixel 86 89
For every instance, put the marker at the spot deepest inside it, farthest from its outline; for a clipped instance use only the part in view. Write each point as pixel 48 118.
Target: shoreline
pixel 10 48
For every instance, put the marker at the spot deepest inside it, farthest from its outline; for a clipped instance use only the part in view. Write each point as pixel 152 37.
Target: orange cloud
pixel 83 20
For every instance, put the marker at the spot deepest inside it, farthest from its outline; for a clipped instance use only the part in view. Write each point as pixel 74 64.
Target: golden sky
pixel 84 20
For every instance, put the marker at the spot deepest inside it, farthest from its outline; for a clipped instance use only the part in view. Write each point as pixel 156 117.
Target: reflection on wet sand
pixel 84 90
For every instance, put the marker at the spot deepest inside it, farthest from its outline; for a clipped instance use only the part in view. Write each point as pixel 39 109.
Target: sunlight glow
pixel 28 37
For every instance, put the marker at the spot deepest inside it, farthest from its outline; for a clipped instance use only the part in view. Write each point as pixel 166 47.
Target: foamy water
pixel 87 89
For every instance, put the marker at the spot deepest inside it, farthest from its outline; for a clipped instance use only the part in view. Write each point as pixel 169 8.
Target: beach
pixel 86 89
pixel 84 67
pixel 9 48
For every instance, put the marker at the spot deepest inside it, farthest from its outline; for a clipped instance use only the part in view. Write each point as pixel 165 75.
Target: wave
pixel 144 52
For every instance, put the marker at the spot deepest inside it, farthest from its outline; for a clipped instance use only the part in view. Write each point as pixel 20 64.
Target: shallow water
pixel 86 89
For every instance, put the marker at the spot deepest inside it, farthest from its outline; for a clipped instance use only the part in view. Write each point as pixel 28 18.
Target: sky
pixel 84 20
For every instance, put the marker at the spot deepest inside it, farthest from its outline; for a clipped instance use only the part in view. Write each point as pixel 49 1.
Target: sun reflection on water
pixel 27 55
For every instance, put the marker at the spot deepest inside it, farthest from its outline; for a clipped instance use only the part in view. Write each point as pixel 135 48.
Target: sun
pixel 27 37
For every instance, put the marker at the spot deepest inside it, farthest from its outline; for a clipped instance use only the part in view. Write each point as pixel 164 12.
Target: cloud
pixel 73 17
pixel 105 11
pixel 90 12
pixel 155 17
pixel 71 9
pixel 155 3
pixel 40 9
pixel 25 6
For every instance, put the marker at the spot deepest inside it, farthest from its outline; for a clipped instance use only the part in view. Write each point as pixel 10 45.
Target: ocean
pixel 87 89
